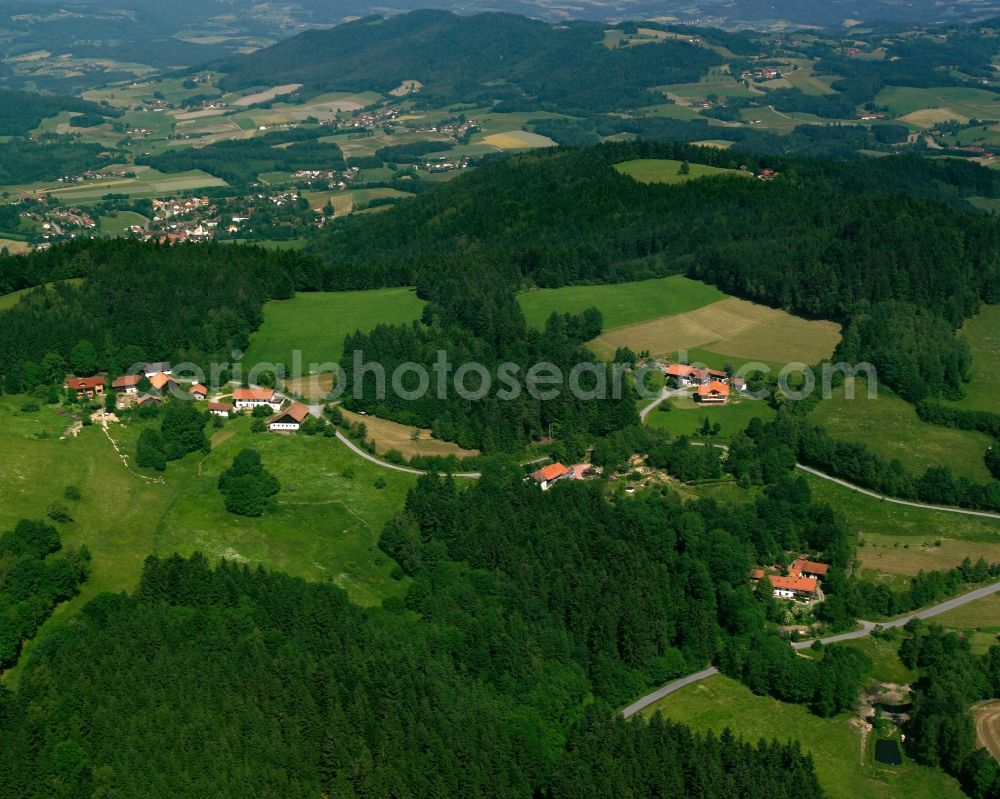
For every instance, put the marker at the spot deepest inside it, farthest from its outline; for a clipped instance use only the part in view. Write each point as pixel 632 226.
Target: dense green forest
pixel 137 302
pixel 21 112
pixel 49 157
pixel 32 582
pixel 940 731
pixel 527 64
pixel 273 684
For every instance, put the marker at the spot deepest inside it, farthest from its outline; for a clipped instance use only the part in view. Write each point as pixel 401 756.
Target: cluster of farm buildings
pixel 712 386
pixel 802 581
pixel 286 418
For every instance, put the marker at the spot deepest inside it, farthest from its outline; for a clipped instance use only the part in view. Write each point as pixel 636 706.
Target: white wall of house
pixel 293 426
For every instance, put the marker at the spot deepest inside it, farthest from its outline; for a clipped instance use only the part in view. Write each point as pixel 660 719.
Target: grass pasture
pixel 897 541
pixel 686 416
pixel 665 170
pixel 890 427
pixel 732 328
pixel 844 770
pixel 410 441
pixel 324 525
pixel 620 303
pixel 14 247
pixel 983 334
pixel 925 107
pixel 316 323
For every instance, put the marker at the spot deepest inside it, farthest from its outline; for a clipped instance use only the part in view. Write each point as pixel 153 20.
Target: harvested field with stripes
pixel 730 327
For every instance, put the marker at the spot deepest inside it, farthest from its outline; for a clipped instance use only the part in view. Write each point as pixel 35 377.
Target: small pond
pixel 887 752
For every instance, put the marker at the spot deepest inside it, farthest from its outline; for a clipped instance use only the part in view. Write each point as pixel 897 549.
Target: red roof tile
pixel 259 394
pixel 549 473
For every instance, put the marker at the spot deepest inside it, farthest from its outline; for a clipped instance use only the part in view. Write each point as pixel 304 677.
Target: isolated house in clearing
pixel 85 387
pixel 250 398
pixel 289 419
pixel 550 474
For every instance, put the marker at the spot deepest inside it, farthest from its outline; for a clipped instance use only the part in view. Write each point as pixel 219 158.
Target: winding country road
pixel 843 483
pixel 395 467
pixel 893 500
pixel 866 629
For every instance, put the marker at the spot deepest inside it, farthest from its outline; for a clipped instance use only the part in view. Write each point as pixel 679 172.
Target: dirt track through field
pixel 987 718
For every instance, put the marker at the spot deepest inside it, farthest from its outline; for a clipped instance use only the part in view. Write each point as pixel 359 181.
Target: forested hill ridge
pixel 858 243
pixel 479 58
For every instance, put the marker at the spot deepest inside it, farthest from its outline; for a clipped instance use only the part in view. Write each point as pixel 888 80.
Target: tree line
pixel 32 582
pixel 234 681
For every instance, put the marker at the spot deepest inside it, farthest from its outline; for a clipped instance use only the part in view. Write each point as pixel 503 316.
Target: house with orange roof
pixel 794 587
pixel 712 393
pixel 288 420
pixel 85 387
pixel 126 384
pixel 681 372
pixel 808 568
pixel 250 398
pixel 220 408
pixel 547 475
pixel 162 382
pixel 198 392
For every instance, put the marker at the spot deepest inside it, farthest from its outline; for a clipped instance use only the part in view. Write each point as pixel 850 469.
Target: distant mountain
pixel 527 64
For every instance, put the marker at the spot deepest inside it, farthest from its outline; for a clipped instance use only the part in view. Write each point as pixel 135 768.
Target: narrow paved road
pixel 844 483
pixel 893 500
pixel 395 467
pixel 864 632
pixel 665 394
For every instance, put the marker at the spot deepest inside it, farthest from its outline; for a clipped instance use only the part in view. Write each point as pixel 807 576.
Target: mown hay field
pixel 409 441
pixel 732 327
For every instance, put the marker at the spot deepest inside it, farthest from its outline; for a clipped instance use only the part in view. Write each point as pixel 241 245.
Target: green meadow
pixel 323 525
pixel 845 771
pixel 664 170
pixel 895 542
pixel 685 416
pixel 968 102
pixel 983 335
pixel 890 427
pixel 620 303
pixel 317 322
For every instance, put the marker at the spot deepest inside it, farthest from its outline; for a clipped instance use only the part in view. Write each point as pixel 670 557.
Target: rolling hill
pixel 527 63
